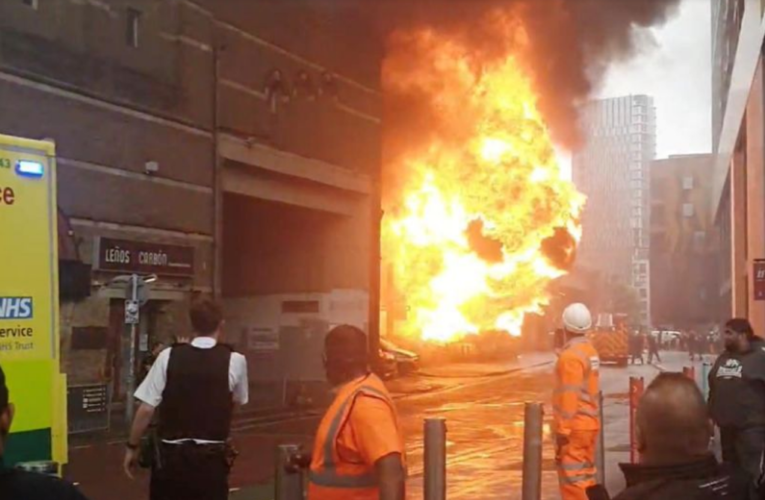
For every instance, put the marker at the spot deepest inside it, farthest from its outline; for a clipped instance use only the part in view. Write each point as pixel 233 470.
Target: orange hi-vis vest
pixel 575 400
pixel 331 477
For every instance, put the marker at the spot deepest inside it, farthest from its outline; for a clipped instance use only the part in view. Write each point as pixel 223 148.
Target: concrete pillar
pixel 740 304
pixel 755 193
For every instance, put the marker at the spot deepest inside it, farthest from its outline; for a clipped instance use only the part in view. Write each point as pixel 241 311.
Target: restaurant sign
pixel 141 257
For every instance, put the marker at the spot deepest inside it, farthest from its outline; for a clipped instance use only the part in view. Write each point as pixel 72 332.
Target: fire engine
pixel 610 337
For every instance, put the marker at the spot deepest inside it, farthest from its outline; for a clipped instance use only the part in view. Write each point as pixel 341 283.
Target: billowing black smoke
pixel 571 44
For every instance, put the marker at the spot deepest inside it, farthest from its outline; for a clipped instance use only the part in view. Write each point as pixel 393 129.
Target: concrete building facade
pixel 232 147
pixel 612 170
pixel 738 189
pixel 684 250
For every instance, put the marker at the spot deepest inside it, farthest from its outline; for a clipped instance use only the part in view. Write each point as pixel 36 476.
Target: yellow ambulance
pixel 29 329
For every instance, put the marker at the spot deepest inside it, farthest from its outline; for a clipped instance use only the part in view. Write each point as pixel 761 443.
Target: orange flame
pixel 479 198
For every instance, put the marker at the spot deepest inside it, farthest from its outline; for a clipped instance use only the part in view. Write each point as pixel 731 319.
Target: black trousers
pixel 744 447
pixel 190 472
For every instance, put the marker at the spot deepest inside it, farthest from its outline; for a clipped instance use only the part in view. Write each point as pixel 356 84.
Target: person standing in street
pixel 673 432
pixel 576 418
pixel 653 347
pixel 20 485
pixel 359 449
pixel 195 385
pixel 636 347
pixel 737 397
pixel 693 340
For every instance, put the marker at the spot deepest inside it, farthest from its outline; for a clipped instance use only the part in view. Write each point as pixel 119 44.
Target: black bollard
pixel 288 484
pixel 532 452
pixel 435 459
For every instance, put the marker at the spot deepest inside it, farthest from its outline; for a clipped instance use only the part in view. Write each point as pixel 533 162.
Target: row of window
pixel 132 22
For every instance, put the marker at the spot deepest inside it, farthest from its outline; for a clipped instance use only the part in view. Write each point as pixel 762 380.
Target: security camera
pixel 151 167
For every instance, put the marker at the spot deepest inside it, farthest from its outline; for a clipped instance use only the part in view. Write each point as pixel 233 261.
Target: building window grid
pixel 133 27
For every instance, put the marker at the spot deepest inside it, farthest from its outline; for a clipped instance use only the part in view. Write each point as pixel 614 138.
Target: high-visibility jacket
pixel 331 476
pixel 575 400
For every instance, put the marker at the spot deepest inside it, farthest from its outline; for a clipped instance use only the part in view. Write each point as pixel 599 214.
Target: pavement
pixel 483 406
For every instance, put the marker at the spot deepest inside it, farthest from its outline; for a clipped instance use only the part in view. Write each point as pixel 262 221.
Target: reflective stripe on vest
pixel 328 476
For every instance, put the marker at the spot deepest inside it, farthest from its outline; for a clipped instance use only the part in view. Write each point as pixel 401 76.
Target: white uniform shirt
pixel 152 387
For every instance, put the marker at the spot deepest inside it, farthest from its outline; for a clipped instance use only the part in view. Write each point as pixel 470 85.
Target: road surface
pixel 485 435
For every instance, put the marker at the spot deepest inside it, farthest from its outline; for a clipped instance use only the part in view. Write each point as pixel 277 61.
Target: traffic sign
pixel 132 312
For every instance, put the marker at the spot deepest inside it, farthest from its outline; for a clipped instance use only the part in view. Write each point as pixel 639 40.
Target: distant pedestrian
pixel 195 385
pixel 636 348
pixel 737 397
pixel 653 347
pixel 673 433
pixel 692 345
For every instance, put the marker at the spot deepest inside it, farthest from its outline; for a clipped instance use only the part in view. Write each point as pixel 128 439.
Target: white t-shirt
pixel 151 389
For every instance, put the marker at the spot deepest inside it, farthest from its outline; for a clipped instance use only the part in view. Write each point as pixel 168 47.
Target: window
pixel 687 210
pixel 31 3
pixel 688 182
pixel 133 27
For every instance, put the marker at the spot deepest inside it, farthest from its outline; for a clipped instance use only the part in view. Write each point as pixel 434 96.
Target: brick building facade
pixel 241 138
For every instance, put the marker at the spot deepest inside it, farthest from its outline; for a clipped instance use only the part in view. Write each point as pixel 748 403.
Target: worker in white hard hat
pixel 575 405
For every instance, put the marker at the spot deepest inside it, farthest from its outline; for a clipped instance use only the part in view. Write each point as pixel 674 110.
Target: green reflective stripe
pixel 328 476
pixel 565 414
pixel 584 357
pixel 589 413
pixel 374 391
pixel 569 415
pixel 576 466
pixel 329 443
pixel 332 480
pixel 576 479
pixel 568 388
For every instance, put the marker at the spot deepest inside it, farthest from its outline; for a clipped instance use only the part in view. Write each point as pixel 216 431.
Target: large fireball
pixel 480 218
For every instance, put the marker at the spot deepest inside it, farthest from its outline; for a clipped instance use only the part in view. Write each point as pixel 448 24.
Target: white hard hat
pixel 577 318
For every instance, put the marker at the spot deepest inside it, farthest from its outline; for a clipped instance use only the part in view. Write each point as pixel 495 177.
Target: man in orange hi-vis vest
pixel 359 448
pixel 575 406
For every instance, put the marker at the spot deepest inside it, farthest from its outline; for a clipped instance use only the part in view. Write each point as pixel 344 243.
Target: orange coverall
pixel 576 418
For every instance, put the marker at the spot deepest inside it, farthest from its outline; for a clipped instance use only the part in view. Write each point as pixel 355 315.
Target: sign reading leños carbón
pixel 142 257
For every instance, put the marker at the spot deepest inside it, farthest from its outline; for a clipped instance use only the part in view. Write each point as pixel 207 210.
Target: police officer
pixel 737 397
pixel 359 447
pixel 195 385
pixel 576 417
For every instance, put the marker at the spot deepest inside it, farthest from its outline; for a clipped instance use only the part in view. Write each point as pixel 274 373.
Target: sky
pixel 676 71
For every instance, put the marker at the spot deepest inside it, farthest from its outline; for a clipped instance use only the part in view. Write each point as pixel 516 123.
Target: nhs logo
pixel 15 307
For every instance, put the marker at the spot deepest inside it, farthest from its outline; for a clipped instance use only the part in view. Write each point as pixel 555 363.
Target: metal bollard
pixel 705 368
pixel 288 485
pixel 532 452
pixel 601 452
pixel 435 459
pixel 637 386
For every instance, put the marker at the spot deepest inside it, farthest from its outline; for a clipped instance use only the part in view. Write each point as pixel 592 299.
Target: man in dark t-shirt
pixel 18 485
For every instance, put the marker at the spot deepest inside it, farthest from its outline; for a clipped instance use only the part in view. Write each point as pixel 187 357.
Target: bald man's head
pixel 673 425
